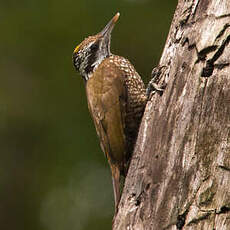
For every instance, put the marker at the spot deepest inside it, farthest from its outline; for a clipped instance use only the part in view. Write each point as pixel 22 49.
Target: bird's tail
pixel 116 185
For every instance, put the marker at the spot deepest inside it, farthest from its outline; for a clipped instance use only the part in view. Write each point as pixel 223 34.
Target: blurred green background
pixel 53 175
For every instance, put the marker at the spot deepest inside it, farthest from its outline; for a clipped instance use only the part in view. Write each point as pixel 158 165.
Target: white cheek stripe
pixel 94 65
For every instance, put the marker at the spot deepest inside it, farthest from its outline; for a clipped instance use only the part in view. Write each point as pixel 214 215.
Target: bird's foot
pixel 158 75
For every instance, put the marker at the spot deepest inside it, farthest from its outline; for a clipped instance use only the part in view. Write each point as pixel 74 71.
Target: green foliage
pixel 53 174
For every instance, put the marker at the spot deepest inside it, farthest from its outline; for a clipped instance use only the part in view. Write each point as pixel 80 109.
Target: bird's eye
pixel 94 47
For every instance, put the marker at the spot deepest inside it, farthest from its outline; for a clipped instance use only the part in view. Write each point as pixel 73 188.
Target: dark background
pixel 53 175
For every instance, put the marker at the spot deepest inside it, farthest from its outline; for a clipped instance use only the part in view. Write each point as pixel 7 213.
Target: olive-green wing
pixel 106 94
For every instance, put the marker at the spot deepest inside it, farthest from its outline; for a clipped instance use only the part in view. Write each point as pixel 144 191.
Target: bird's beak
pixel 106 32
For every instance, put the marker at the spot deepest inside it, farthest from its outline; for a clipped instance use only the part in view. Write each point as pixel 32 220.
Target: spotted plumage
pixel 135 101
pixel 116 99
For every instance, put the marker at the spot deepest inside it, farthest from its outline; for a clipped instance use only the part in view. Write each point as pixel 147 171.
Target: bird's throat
pixel 91 64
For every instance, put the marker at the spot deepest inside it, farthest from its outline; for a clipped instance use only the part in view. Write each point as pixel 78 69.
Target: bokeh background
pixel 53 175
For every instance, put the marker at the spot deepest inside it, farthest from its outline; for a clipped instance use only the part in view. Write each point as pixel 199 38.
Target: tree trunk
pixel 179 176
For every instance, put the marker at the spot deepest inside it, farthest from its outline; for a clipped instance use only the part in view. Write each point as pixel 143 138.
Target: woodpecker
pixel 116 98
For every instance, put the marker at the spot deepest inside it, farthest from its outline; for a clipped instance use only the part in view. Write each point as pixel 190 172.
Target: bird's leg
pixel 116 185
pixel 157 74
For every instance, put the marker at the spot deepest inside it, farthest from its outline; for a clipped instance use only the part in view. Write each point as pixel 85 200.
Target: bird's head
pixel 93 50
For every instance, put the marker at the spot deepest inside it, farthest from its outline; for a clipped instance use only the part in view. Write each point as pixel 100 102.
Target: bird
pixel 116 97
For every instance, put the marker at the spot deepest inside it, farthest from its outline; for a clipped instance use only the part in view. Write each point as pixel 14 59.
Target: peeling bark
pixel 179 176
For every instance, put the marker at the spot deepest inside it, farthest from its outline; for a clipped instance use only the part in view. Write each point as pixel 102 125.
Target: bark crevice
pixel 179 174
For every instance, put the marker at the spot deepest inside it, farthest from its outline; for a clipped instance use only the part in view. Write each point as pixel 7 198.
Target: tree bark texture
pixel 179 176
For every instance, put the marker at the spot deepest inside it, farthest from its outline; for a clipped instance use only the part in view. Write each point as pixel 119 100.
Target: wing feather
pixel 107 94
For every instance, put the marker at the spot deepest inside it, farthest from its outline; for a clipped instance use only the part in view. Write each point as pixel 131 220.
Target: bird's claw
pixel 157 74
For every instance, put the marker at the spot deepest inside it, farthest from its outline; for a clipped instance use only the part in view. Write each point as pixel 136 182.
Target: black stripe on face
pixel 92 58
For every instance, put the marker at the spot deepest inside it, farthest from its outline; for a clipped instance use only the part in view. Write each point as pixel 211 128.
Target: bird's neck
pixel 92 62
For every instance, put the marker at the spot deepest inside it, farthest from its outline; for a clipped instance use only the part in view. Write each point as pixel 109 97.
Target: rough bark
pixel 179 176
